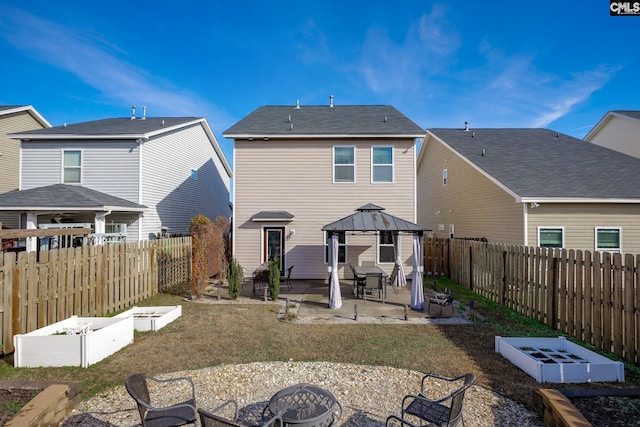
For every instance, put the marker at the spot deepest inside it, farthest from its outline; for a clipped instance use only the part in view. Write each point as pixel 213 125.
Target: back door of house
pixel 273 241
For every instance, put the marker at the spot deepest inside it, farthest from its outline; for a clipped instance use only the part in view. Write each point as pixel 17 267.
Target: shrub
pixel 274 279
pixel 234 278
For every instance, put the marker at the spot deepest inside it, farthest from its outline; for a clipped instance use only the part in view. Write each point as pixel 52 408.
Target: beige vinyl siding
pixel 621 135
pixel 579 221
pixel 297 177
pixel 471 202
pixel 10 148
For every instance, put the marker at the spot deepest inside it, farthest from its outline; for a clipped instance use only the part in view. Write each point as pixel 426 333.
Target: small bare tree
pixel 209 249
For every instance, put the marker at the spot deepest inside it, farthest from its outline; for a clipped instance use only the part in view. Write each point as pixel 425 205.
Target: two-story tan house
pixel 14 118
pixel 299 167
pixel 532 187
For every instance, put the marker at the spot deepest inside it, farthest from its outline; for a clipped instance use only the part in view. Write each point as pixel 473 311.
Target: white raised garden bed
pixel 152 318
pixel 557 360
pixel 76 341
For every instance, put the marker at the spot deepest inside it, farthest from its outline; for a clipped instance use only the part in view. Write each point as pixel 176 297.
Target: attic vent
pixel 133 112
pixel 331 101
pixel 466 126
pixel 297 104
pixel 144 113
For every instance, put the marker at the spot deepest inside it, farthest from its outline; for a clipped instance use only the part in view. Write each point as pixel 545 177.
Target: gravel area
pixel 367 394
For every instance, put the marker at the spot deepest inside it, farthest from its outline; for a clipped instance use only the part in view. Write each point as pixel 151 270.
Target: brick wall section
pixel 49 407
pixel 558 411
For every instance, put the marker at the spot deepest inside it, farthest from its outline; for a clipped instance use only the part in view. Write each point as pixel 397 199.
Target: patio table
pixel 362 270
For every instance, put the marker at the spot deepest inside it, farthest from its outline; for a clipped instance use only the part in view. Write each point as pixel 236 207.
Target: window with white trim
pixel 386 251
pixel 381 164
pixel 445 177
pixel 551 237
pixel 342 247
pixel 72 166
pixel 609 239
pixel 344 164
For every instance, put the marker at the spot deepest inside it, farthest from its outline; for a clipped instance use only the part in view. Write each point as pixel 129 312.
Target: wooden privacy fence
pixel 591 296
pixel 38 289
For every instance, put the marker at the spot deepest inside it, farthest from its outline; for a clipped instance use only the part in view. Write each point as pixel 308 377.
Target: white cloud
pixel 96 62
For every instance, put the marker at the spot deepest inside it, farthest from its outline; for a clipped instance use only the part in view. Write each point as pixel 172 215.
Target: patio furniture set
pixel 300 405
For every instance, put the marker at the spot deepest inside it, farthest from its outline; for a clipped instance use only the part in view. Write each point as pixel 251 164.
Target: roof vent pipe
pixel 144 113
pixel 473 134
pixel 297 104
pixel 466 126
pixel 133 112
pixel 289 121
pixel 291 126
pixel 331 101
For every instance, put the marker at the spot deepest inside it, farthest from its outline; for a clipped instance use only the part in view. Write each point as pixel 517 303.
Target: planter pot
pixel 557 360
pixel 152 318
pixel 76 341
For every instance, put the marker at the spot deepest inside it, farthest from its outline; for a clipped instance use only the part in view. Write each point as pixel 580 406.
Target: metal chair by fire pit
pixel 303 405
pixel 214 418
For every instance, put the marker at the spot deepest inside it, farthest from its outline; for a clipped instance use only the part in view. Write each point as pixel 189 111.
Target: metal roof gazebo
pixel 371 218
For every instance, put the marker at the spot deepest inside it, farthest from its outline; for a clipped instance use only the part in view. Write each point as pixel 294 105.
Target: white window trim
pixel 326 244
pixel 333 163
pixel 445 177
pixel 64 150
pixel 378 245
pixel 392 164
pixel 544 227
pixel 595 238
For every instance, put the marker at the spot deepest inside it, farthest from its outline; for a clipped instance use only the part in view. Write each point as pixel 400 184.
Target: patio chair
pixel 445 411
pixel 373 282
pixel 212 418
pixel 177 414
pixel 392 278
pixel 357 280
pixel 442 299
pixel 287 277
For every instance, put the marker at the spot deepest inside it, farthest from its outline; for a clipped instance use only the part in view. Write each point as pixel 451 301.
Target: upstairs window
pixel 445 177
pixel 381 164
pixel 72 167
pixel 608 239
pixel 344 164
pixel 551 237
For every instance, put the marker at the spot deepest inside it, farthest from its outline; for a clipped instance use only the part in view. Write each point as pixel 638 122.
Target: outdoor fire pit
pixel 303 405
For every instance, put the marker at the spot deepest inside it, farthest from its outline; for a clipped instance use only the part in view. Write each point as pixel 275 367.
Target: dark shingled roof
pixel 123 127
pixel 64 196
pixel 634 114
pixel 371 218
pixel 541 163
pixel 10 107
pixel 323 121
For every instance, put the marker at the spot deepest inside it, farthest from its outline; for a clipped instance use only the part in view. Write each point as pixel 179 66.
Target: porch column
pixel 100 225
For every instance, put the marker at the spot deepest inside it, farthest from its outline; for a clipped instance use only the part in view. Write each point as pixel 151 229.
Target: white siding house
pixel 160 172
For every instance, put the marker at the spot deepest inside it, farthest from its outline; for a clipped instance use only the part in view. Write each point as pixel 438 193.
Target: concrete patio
pixel 309 299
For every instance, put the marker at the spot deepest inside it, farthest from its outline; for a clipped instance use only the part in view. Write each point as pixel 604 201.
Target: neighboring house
pixel 533 187
pixel 299 168
pixel 139 176
pixel 618 130
pixel 14 118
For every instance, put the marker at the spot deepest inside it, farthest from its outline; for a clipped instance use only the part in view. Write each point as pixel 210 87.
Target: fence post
pixel 471 267
pixel 552 294
pixel 503 290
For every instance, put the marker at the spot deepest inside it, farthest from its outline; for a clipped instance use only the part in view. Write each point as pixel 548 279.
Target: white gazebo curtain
pixel 401 279
pixel 417 293
pixel 335 298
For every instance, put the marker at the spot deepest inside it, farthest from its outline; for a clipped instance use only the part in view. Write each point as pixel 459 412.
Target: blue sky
pixel 560 65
